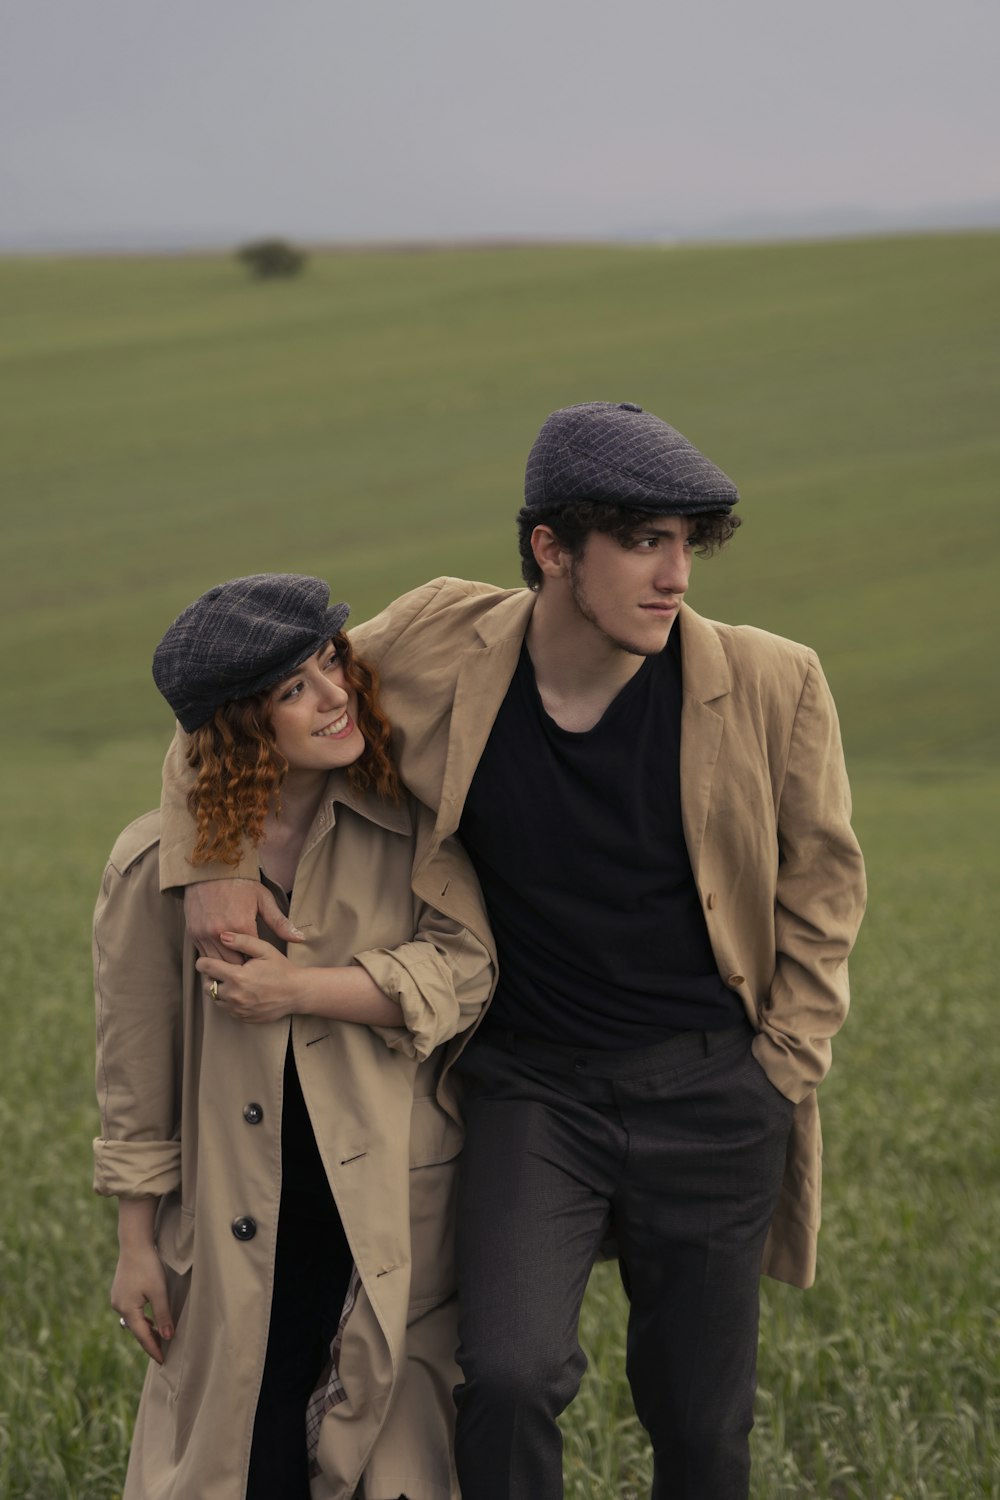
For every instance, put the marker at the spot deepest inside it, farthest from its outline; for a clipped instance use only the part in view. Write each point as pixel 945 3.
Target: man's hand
pixel 215 906
pixel 264 989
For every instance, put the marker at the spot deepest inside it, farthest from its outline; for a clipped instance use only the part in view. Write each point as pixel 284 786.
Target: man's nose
pixel 674 572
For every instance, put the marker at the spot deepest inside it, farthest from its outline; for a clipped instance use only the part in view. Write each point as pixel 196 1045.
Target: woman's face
pixel 314 714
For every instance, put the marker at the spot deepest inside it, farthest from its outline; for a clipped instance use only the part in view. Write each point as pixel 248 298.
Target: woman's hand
pixel 140 1278
pixel 265 988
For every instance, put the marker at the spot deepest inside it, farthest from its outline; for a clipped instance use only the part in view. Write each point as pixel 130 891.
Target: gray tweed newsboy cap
pixel 240 638
pixel 622 454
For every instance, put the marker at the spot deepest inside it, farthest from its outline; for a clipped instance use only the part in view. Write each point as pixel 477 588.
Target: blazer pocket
pixel 435 1144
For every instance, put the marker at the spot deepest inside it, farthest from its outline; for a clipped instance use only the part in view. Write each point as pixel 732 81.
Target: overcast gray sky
pixel 211 120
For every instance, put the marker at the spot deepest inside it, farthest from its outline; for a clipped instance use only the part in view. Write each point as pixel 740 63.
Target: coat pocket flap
pixel 175 1235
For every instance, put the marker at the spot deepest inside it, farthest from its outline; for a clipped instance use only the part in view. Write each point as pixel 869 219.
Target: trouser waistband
pixel 632 1062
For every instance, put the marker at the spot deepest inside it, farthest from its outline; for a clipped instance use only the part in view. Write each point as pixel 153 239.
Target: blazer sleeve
pixel 178 831
pixel 819 898
pixel 138 988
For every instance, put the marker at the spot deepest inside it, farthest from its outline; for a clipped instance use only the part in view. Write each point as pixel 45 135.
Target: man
pixel 657 809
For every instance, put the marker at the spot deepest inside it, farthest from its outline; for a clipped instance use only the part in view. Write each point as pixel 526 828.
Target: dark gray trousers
pixel 679 1150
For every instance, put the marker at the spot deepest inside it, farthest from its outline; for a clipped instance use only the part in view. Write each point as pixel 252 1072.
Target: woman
pixel 285 1186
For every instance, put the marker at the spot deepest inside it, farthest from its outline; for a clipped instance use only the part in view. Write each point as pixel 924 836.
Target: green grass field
pixel 167 424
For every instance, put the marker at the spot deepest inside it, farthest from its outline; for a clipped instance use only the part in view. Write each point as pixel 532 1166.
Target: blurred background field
pixel 168 423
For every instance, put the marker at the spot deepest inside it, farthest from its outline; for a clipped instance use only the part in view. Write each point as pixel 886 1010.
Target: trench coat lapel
pixel 707 680
pixel 484 676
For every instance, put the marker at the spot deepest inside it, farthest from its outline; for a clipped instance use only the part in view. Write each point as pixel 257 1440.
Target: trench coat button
pixel 253 1114
pixel 735 979
pixel 244 1228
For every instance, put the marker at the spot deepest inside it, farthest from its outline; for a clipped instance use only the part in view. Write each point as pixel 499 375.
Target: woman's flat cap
pixel 240 638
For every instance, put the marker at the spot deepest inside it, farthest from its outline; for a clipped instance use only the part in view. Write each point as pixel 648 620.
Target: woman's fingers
pixel 140 1280
pixel 135 1322
pixel 251 947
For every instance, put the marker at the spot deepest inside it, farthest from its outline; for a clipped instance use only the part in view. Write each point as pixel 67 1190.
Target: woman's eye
pixel 290 693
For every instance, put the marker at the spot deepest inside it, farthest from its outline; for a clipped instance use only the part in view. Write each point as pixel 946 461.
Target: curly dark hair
pixel 574 521
pixel 239 768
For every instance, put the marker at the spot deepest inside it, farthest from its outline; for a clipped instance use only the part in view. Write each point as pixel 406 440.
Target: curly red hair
pixel 239 769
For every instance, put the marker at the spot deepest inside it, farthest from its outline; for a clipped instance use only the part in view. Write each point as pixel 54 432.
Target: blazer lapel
pixel 484 676
pixel 706 679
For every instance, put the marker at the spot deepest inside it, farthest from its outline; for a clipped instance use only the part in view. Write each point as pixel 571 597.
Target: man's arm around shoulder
pixel 217 898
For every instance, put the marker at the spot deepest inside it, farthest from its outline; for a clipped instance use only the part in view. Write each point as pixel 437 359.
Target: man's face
pixel 631 594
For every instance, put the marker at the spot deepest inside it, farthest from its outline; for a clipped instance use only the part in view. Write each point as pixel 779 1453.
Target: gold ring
pixel 213 989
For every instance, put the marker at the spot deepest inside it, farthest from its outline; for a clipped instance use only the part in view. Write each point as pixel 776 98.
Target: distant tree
pixel 265 258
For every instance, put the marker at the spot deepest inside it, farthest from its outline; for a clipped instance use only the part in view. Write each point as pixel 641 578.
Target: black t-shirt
pixel 578 844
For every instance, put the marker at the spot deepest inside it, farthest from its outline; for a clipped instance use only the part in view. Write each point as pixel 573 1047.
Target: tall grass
pixel 168 424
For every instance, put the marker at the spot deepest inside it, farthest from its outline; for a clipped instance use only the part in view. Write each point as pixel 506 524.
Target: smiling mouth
pixel 332 731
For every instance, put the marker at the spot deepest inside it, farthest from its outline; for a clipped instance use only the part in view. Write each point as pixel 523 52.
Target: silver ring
pixel 213 989
pixel 122 1323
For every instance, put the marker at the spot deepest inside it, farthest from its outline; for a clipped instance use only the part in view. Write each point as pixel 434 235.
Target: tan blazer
pixel 766 809
pixel 174 1078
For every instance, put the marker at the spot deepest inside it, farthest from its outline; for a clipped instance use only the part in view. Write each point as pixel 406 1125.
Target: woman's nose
pixel 333 695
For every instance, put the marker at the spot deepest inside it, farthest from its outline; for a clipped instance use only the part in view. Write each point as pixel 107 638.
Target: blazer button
pixel 253 1114
pixel 735 980
pixel 244 1228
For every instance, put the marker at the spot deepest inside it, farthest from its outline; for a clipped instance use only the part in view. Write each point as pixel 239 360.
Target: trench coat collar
pixel 396 817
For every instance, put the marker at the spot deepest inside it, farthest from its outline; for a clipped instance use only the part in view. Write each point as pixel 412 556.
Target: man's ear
pixel 549 552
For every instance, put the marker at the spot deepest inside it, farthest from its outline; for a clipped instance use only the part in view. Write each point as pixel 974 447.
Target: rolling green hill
pixel 165 424
pixel 170 423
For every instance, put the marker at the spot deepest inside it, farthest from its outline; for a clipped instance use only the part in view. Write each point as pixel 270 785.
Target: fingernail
pixel 227 937
pixel 167 1331
pixel 295 932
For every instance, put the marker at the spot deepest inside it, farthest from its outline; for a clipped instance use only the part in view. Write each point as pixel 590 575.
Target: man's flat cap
pixel 240 638
pixel 626 456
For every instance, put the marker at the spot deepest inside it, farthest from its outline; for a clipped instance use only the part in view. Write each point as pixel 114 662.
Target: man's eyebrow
pixel 661 527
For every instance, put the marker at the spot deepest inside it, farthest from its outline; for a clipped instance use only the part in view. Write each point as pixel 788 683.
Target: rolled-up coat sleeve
pixel 138 1012
pixel 819 899
pixel 441 981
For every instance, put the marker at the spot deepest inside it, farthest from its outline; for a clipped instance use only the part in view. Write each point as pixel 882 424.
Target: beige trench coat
pixel 766 810
pixel 174 1076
